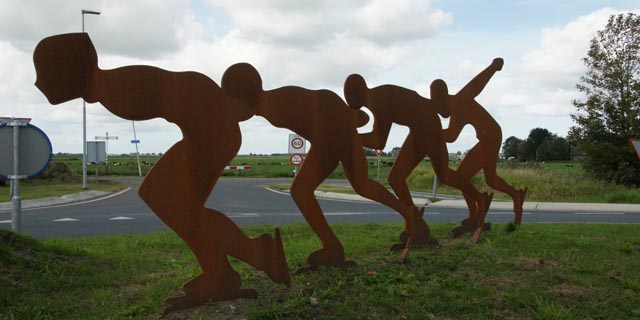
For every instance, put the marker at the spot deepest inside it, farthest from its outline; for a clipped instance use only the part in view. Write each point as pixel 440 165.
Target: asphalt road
pixel 247 202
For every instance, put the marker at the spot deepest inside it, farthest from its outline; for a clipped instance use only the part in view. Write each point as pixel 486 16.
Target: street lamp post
pixel 84 119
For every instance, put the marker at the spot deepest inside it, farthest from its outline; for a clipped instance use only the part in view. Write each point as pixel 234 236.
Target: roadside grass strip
pixel 537 271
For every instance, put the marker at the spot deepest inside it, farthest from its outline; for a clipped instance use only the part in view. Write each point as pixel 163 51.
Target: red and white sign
pixel 238 168
pixel 296 159
pixel 297 144
pixel 378 152
pixel 636 146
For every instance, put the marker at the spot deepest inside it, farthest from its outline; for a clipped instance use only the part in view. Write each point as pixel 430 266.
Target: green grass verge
pixel 42 189
pixel 538 271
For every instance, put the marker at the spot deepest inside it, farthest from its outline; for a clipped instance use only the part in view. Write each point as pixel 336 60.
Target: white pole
pixel 84 119
pixel 16 202
pixel 435 185
pixel 135 138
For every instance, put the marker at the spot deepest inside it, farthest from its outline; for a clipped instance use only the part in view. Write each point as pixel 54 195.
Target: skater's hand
pixel 497 63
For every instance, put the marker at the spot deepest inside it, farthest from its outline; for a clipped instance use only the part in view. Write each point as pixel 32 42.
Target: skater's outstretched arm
pixel 477 84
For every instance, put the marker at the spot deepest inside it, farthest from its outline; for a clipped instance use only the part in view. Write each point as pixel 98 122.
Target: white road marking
pixel 353 213
pixel 121 218
pixel 599 213
pixel 5 221
pixel 65 220
pixel 506 213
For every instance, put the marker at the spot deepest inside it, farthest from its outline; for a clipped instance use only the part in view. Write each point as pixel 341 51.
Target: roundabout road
pixel 248 202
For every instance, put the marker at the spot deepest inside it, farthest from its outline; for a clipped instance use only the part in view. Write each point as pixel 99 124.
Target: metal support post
pixel 135 138
pixel 16 201
pixel 378 175
pixel 435 185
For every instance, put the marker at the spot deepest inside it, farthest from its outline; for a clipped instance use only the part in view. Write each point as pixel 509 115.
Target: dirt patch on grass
pixel 533 264
pixel 224 310
pixel 567 290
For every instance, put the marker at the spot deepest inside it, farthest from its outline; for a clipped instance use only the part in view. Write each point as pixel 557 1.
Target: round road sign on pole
pixel 34 148
pixel 297 144
pixel 296 159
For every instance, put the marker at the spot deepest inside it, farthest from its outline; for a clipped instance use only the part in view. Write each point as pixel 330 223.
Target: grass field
pixel 539 271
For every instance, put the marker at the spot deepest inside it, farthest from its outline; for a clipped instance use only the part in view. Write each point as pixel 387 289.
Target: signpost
pixel 378 153
pixel 296 159
pixel 107 138
pixel 96 152
pixel 31 154
pixel 297 147
pixel 136 141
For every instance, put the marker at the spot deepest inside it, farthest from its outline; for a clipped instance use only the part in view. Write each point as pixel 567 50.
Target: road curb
pixel 60 200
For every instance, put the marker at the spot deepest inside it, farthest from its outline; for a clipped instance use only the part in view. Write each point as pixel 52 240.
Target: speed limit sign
pixel 296 144
pixel 296 159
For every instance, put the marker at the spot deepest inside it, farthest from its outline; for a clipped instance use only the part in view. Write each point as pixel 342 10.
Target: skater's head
pixel 356 91
pixel 242 81
pixel 63 65
pixel 440 97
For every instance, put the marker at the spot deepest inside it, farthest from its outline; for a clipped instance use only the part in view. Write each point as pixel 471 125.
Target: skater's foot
pixel 274 261
pixel 203 288
pixel 518 202
pixel 329 257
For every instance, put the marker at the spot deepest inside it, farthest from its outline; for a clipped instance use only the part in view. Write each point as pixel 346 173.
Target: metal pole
pixel 84 138
pixel 84 131
pixel 106 155
pixel 435 185
pixel 84 119
pixel 378 175
pixel 16 202
pixel 133 123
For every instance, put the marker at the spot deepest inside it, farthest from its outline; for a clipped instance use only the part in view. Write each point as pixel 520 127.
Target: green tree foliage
pixel 510 147
pixel 540 145
pixel 537 136
pixel 525 152
pixel 553 149
pixel 610 114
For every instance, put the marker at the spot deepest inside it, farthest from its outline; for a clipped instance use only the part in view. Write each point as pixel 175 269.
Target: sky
pixel 314 44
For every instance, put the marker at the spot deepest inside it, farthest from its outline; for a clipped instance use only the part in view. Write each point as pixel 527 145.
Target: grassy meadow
pixel 537 271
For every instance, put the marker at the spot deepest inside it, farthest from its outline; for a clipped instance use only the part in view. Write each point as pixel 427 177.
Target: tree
pixel 524 151
pixel 536 137
pixel 510 147
pixel 554 149
pixel 610 115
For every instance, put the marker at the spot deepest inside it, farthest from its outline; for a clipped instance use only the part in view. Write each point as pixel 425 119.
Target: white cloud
pixel 557 61
pixel 308 43
pixel 144 28
pixel 307 23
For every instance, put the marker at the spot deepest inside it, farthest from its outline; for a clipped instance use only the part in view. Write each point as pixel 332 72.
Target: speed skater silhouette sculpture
pixel 67 68
pixel 208 117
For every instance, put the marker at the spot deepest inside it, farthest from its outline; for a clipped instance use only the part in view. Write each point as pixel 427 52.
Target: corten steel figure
pixel 393 104
pixel 323 118
pixel 484 155
pixel 180 182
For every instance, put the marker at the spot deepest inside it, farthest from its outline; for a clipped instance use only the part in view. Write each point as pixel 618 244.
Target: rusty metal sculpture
pixel 323 118
pixel 464 109
pixel 67 68
pixel 393 104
